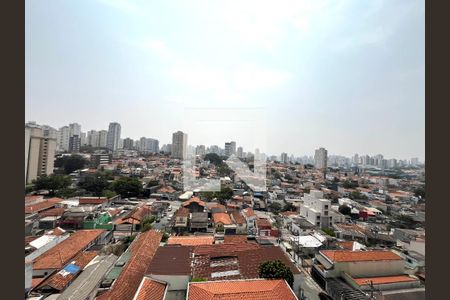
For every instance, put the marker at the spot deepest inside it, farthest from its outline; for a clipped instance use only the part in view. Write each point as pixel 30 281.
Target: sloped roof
pixel 151 290
pixel 259 289
pixel 142 250
pixel 58 256
pixel 223 218
pixel 352 256
pixel 191 240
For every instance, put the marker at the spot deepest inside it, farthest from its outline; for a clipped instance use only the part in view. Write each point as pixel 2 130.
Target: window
pixel 326 213
pixel 326 206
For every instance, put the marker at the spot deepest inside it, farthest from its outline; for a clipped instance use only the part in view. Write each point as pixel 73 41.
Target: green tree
pixel 95 184
pixel 108 194
pixel 275 207
pixel 288 207
pixel 146 223
pixel 66 193
pixel 349 184
pixel 165 237
pixel 419 192
pixel 198 279
pixel 52 183
pixel 345 210
pixel 71 163
pixel 214 159
pixel 127 187
pixel 276 270
pixel 329 231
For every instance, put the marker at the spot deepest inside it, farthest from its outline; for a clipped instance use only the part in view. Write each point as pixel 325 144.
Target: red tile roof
pixel 242 257
pixel 238 239
pixel 263 222
pixel 191 240
pixel 61 254
pixel 52 212
pixel 223 218
pixel 260 289
pixel 351 256
pixel 59 281
pixel 248 212
pixel 34 208
pixel 182 212
pixel 196 200
pixel 93 200
pixel 142 250
pixel 384 280
pixel 151 290
pixel 237 217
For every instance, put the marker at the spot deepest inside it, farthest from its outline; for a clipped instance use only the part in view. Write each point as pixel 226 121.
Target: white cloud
pixel 156 46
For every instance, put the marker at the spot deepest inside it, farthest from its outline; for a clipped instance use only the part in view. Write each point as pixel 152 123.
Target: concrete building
pixel 39 154
pixel 112 141
pixel 128 144
pixel 316 210
pixel 179 145
pixel 74 143
pixel 320 158
pixel 148 145
pixel 62 138
pixel 92 138
pixel 230 148
pixel 284 158
pixel 102 138
pixel 200 150
pixel 240 152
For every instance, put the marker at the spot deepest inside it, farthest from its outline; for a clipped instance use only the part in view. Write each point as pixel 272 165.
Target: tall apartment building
pixel 200 150
pixel 148 145
pixel 230 148
pixel 102 138
pixel 74 143
pixel 320 158
pixel 128 144
pixel 39 153
pixel 112 141
pixel 213 149
pixel 62 138
pixel 92 138
pixel 284 158
pixel 179 145
pixel 240 152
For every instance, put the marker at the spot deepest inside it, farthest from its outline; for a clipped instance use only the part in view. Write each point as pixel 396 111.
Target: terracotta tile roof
pixel 93 200
pixel 60 281
pixel 237 217
pixel 288 213
pixel 142 250
pixel 166 190
pixel 34 208
pixel 150 290
pixel 237 239
pixel 263 222
pixel 260 289
pixel 223 218
pixel 248 212
pixel 196 200
pixel 135 216
pixel 57 231
pixel 52 212
pixel 31 199
pixel 36 281
pixel 235 260
pixel 384 280
pixel 61 254
pixel 191 240
pixel 182 212
pixel 347 245
pixel 348 256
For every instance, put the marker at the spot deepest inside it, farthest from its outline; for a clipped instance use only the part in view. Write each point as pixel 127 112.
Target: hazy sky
pixel 279 75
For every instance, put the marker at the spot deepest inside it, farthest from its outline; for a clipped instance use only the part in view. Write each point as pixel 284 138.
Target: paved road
pixel 161 225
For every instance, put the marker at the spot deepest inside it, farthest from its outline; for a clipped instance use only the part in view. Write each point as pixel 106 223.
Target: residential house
pixel 142 252
pixel 194 205
pixel 198 222
pixel 239 220
pixel 181 219
pixel 255 289
pixel 223 224
pixel 250 217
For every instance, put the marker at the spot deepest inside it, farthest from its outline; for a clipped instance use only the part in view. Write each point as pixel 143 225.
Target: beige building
pixel 179 145
pixel 39 154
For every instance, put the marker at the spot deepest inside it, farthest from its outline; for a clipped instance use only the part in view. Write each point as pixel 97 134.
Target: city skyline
pixel 347 76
